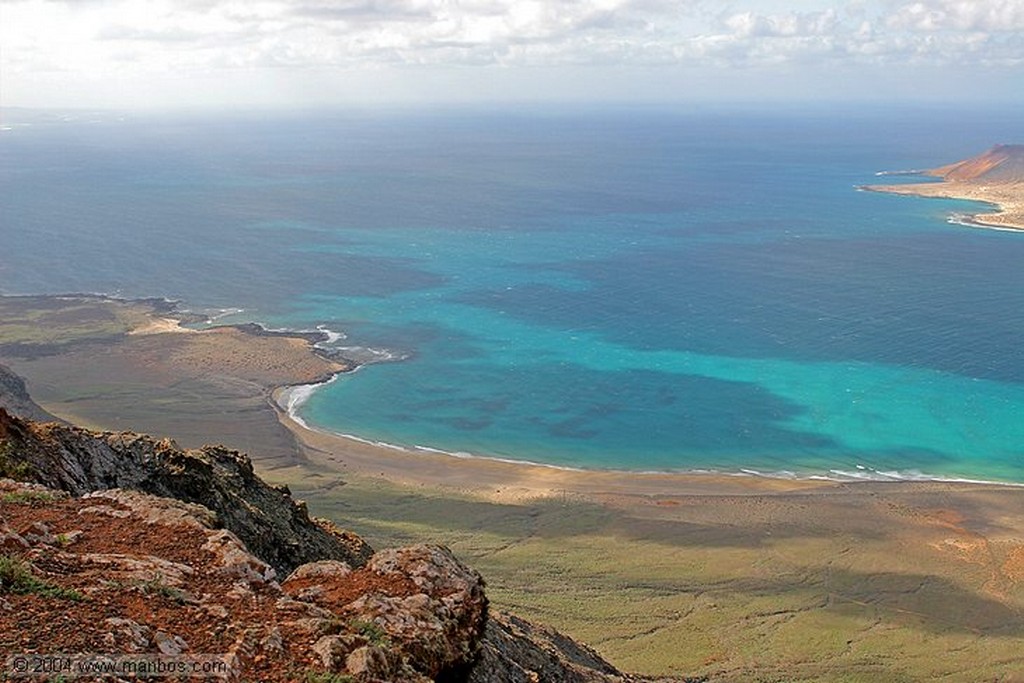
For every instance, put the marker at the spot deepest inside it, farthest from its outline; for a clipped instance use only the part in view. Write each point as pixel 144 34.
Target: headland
pixel 996 177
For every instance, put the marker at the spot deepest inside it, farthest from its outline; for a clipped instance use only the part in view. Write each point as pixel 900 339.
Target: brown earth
pixel 140 574
pixel 1001 164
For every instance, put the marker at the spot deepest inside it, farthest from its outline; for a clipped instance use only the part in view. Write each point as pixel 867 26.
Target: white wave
pixel 868 474
pixel 223 313
pixel 462 455
pixel 368 355
pixel 284 330
pixel 360 355
pixel 908 172
pixel 455 454
pixel 969 221
pixel 371 442
pixel 294 397
pixel 863 475
pixel 332 336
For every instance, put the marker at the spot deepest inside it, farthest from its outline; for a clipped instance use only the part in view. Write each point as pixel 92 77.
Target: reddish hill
pixel 1001 164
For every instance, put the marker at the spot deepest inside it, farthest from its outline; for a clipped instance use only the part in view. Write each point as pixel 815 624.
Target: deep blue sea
pixel 623 288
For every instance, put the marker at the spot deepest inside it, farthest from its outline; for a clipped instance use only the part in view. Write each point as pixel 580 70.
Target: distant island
pixel 996 176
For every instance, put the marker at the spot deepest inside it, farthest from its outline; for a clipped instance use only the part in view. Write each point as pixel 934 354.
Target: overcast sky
pixel 196 53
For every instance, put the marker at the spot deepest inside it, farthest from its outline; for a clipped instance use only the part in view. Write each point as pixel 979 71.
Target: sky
pixel 311 53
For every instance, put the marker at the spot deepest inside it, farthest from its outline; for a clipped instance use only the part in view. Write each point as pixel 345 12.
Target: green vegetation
pixel 27 497
pixel 372 631
pixel 37 322
pixel 10 466
pixel 16 577
pixel 768 592
pixel 158 586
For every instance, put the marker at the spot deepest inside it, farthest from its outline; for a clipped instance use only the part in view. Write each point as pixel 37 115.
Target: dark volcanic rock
pixel 515 651
pixel 275 528
pixel 15 399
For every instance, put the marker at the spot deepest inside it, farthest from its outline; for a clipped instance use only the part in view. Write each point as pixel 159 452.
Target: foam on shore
pixel 291 399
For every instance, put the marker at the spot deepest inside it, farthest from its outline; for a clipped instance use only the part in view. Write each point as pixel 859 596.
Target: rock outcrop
pixel 276 528
pixel 128 545
pixel 124 572
pixel 516 651
pixel 14 398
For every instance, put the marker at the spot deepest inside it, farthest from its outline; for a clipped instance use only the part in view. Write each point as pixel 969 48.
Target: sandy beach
pixel 1009 198
pixel 508 481
pixel 734 578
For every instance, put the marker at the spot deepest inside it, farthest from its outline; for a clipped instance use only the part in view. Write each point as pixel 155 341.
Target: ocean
pixel 629 288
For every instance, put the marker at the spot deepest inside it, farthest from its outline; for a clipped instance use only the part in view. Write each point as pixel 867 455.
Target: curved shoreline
pixel 1008 200
pixel 505 478
pixel 273 360
pixel 399 461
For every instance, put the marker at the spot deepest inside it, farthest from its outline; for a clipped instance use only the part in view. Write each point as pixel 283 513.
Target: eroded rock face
pixel 15 399
pixel 515 651
pixel 159 578
pixel 170 574
pixel 413 613
pixel 272 525
pixel 440 626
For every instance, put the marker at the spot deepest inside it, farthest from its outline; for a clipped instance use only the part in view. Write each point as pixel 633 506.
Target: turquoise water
pixel 633 290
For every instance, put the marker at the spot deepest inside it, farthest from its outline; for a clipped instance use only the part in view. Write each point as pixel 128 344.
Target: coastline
pixel 1007 198
pixel 510 479
pixel 128 365
pixel 507 480
pixel 721 562
pixel 279 369
pixel 842 576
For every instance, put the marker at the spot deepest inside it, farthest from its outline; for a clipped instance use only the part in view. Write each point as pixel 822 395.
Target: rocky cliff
pixel 125 544
pixel 269 522
pixel 14 398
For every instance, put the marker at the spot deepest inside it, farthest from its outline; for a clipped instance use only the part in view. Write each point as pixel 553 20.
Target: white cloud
pixel 985 16
pixel 751 25
pixel 98 39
